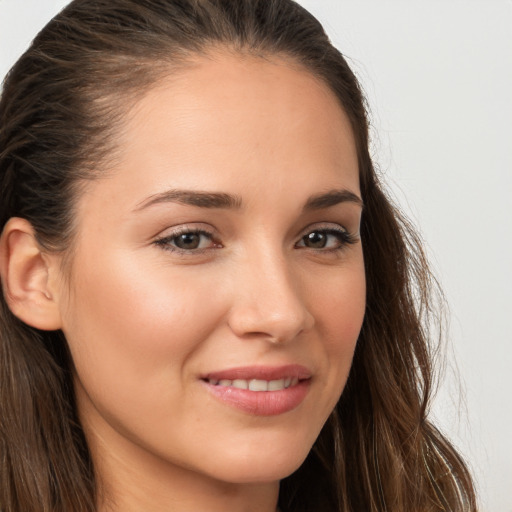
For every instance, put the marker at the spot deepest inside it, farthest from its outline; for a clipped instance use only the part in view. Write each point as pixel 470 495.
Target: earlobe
pixel 24 273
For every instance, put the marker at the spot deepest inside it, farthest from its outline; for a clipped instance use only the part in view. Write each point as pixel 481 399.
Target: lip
pixel 261 372
pixel 260 403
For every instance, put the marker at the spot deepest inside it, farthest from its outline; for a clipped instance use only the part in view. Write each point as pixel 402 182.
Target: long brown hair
pixel 60 108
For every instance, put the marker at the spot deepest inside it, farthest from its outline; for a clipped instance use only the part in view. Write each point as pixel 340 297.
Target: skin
pixel 144 322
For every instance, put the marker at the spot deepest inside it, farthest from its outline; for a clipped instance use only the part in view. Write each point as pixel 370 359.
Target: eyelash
pixel 344 238
pixel 166 242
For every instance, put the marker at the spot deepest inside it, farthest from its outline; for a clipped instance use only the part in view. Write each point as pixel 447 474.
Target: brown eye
pixel 315 240
pixel 188 241
pixel 329 239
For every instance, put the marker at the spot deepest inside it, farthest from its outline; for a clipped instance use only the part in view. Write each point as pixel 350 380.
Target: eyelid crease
pixel 179 229
pixel 326 226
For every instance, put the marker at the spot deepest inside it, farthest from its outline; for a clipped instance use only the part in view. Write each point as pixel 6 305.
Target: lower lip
pixel 261 403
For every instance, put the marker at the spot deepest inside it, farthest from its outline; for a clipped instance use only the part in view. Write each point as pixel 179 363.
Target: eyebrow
pixel 193 198
pixel 228 201
pixel 332 198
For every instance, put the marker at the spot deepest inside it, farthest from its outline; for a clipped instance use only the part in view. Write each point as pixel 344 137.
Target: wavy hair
pixel 61 107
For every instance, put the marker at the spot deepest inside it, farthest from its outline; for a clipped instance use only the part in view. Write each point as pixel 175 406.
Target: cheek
pixel 132 335
pixel 128 326
pixel 339 313
pixel 341 300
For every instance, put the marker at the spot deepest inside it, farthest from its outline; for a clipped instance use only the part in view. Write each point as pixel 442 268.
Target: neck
pixel 135 482
pixel 131 493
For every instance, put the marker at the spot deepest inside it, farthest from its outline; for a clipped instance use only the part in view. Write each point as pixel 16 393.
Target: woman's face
pixel 222 253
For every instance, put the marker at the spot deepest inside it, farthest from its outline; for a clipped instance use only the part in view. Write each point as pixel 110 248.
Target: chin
pixel 268 465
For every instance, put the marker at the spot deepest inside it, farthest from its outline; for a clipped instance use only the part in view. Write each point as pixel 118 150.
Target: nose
pixel 268 300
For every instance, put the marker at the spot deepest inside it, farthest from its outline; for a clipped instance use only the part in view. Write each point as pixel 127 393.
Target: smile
pixel 260 390
pixel 256 384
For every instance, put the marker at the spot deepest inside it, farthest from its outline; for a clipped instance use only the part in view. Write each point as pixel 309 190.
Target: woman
pixel 208 301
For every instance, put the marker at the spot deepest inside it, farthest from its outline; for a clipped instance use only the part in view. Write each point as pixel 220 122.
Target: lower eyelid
pixel 166 241
pixel 343 236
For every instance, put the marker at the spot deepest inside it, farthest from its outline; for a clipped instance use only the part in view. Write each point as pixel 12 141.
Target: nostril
pixel 253 325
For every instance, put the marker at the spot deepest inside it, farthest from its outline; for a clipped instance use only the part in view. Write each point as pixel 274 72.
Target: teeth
pixel 276 385
pixel 257 384
pixel 240 384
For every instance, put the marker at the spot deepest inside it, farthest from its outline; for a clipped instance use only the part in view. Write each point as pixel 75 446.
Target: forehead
pixel 237 123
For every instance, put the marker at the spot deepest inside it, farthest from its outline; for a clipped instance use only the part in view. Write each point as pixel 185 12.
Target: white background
pixel 438 75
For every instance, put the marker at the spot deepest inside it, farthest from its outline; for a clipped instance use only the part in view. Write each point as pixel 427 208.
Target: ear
pixel 24 272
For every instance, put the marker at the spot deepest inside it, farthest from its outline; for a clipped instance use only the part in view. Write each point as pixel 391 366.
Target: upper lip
pixel 260 372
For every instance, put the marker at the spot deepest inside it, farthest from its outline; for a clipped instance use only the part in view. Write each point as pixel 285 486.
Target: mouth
pixel 261 391
pixel 258 385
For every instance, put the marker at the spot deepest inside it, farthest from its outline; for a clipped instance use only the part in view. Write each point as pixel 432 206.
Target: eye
pixel 329 239
pixel 188 240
